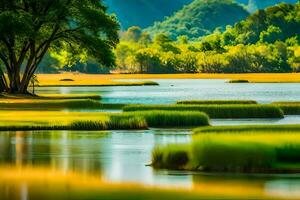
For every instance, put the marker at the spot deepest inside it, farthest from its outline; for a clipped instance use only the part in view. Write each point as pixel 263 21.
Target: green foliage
pixel 217 111
pixel 267 41
pixel 72 28
pixel 200 18
pixel 156 118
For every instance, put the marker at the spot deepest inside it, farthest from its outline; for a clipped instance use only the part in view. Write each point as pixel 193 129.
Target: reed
pixel 217 111
pixel 49 104
pixel 251 151
pixel 56 120
pixel 218 102
pixel 69 96
pixel 158 118
pixel 289 108
pixel 247 128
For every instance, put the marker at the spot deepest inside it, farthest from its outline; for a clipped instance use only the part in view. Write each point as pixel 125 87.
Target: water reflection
pixel 172 90
pixel 117 156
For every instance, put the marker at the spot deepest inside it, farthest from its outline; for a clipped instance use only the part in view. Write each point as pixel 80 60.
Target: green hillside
pixel 200 18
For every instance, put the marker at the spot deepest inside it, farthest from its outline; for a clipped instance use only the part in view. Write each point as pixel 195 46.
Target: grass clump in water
pixel 217 111
pixel 218 102
pixel 158 118
pixel 289 108
pixel 247 128
pixel 266 152
pixel 56 120
pixel 171 157
pixel 238 81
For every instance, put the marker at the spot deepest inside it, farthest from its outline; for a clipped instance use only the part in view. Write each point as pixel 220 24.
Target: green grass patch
pixel 247 128
pixel 258 152
pixel 158 118
pixel 218 111
pixel 217 102
pixel 289 108
pixel 238 81
pixel 50 104
pixel 56 120
pixel 69 96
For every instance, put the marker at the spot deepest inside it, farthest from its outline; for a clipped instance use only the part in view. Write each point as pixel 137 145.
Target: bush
pixel 289 108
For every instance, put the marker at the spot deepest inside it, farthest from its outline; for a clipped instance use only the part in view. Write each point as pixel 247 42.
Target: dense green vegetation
pixel 217 102
pixel 200 18
pixel 247 128
pixel 267 41
pixel 217 111
pixel 235 152
pixel 289 108
pixel 31 29
pixel 50 104
pixel 173 118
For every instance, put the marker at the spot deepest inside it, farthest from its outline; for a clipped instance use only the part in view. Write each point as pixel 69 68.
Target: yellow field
pixel 114 79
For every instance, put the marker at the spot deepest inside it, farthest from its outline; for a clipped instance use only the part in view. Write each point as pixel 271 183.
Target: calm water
pixel 121 156
pixel 169 91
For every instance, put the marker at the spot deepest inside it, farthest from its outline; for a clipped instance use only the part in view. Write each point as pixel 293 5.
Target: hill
pixel 143 12
pixel 200 18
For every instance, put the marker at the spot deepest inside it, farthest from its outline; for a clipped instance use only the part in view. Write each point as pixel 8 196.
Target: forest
pixel 214 41
pixel 266 41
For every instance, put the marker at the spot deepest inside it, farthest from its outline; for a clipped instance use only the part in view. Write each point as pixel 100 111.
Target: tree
pixel 133 34
pixel 29 28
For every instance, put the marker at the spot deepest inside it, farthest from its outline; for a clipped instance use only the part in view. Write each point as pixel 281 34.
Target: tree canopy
pixel 29 28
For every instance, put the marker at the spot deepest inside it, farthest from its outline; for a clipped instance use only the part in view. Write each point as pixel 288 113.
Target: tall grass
pixel 289 108
pixel 158 118
pixel 247 128
pixel 235 152
pixel 69 96
pixel 171 157
pixel 50 104
pixel 218 102
pixel 218 111
pixel 56 120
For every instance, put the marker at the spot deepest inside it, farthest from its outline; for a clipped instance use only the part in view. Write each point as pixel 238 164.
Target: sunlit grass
pixel 267 152
pixel 56 120
pixel 158 118
pixel 45 183
pixel 217 111
pixel 216 102
pixel 34 104
pixel 102 79
pixel 53 80
pixel 247 128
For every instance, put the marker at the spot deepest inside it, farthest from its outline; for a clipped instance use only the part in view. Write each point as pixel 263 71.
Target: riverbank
pixel 73 79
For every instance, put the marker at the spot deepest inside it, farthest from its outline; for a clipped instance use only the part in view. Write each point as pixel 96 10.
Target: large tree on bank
pixel 30 28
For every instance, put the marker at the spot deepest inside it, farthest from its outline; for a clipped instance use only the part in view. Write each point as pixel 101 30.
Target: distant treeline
pixel 267 41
